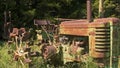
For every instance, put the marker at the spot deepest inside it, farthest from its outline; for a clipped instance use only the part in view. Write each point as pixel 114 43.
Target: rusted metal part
pixel 114 20
pixel 89 11
pixel 19 54
pixel 19 32
pixel 48 51
pixel 74 27
pixel 101 65
pixel 64 19
pixel 14 32
pixel 46 26
pixel 75 21
pixel 41 22
pixel 34 54
pixel 79 29
pixel 98 32
pixel 77 32
pixel 82 27
pixel 75 46
pixel 73 52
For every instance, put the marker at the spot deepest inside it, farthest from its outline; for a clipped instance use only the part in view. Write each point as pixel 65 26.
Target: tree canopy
pixel 24 11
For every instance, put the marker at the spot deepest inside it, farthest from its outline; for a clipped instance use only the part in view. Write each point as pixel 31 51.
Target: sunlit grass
pixel 6 60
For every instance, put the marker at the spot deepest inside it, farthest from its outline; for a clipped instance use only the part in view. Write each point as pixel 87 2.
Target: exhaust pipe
pixel 89 17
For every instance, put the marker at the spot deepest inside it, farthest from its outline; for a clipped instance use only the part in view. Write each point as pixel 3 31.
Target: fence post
pixel 111 43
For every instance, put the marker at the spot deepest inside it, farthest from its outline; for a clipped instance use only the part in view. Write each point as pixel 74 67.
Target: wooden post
pixel 118 61
pixel 5 23
pixel 101 12
pixel 111 43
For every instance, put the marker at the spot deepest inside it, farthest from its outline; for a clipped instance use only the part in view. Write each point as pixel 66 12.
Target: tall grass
pixel 6 61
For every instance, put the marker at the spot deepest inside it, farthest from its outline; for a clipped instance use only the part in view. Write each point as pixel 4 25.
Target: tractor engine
pixel 101 36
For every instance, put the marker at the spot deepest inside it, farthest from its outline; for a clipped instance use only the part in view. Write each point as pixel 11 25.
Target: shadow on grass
pixel 2 43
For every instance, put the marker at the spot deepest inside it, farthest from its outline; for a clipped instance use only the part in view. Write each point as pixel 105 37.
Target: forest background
pixel 23 12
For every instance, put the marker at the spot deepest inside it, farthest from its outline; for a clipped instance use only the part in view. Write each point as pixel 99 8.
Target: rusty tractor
pixel 77 40
pixel 97 38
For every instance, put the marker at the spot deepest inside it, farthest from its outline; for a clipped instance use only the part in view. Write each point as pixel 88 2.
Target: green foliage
pixel 6 61
pixel 111 8
pixel 24 11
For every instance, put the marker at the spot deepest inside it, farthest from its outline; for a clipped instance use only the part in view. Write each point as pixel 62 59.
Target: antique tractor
pixel 79 38
pixel 101 36
pixel 97 38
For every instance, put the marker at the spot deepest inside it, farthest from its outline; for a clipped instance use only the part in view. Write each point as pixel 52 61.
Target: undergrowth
pixel 6 61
